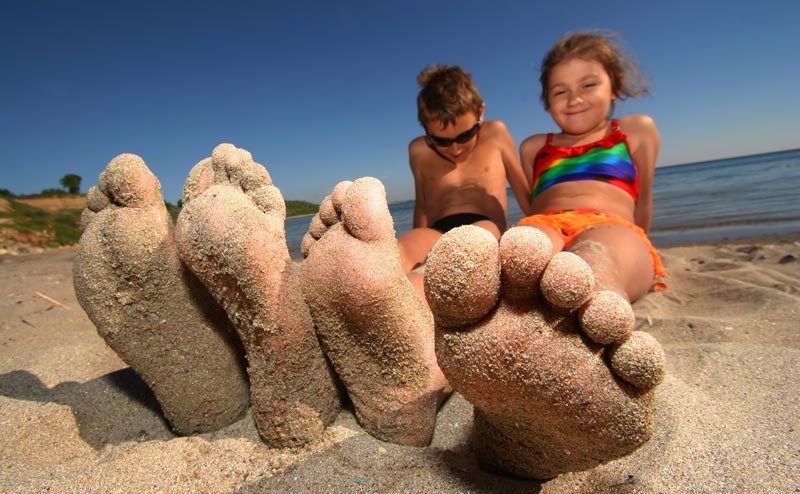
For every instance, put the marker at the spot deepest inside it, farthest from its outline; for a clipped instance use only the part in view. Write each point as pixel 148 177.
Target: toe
pixel 567 281
pixel 639 361
pixel 365 212
pixel 607 318
pixel 127 181
pixel 524 254
pixel 95 200
pixel 327 216
pixel 200 178
pixel 245 172
pixel 327 213
pixel 317 227
pixel 462 276
pixel 226 160
pixel 338 194
pixel 270 201
pixel 306 244
pixel 236 165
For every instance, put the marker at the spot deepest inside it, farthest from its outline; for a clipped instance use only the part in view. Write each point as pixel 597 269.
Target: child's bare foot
pixel 231 234
pixel 545 399
pixel 149 307
pixel 374 327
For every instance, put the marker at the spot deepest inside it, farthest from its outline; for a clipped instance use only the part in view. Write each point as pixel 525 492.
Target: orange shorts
pixel 571 222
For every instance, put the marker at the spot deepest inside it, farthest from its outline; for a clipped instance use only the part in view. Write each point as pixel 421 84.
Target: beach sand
pixel 74 418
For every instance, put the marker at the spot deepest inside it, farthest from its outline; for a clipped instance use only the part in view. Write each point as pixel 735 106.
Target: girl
pixel 592 182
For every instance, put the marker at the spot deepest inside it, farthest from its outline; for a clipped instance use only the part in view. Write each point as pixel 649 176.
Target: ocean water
pixel 698 202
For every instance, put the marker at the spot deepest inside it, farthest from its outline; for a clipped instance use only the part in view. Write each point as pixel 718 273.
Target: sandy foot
pixel 231 234
pixel 546 401
pixel 150 309
pixel 373 326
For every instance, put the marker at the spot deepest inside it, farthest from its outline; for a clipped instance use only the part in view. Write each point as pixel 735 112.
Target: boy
pixel 460 165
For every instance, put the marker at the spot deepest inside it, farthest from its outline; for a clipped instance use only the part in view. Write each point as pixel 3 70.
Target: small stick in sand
pixel 52 300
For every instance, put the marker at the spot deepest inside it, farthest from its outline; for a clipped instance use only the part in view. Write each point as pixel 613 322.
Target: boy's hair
pixel 446 94
pixel 626 81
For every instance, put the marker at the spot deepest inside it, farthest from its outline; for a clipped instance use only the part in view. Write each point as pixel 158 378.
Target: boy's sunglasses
pixel 460 138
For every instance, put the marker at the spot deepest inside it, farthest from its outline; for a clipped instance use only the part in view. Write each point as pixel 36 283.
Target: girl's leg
pixel 618 257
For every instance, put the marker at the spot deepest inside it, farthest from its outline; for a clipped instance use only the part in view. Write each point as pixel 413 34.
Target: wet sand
pixel 74 418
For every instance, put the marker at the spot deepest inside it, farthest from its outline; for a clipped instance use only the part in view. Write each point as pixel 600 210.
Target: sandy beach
pixel 75 418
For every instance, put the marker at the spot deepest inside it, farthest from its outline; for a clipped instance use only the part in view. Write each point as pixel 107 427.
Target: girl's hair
pixel 626 81
pixel 446 93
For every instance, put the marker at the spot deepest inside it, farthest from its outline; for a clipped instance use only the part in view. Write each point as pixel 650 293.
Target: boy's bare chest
pixel 479 166
pixel 462 179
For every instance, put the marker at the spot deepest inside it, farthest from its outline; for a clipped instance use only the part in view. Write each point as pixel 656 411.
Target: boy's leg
pixel 415 245
pixel 490 226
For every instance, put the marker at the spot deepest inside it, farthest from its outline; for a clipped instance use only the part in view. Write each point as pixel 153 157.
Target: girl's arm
pixel 645 142
pixel 527 152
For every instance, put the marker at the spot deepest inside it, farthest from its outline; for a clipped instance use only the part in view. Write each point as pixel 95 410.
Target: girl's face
pixel 580 96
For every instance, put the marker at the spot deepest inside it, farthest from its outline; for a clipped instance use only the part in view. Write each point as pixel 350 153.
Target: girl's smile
pixel 580 95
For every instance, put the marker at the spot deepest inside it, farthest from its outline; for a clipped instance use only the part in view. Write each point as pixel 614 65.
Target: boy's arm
pixel 643 129
pixel 414 158
pixel 514 172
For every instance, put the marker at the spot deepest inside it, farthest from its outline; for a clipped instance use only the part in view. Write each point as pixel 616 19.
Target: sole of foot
pixel 230 232
pixel 374 327
pixel 546 400
pixel 150 308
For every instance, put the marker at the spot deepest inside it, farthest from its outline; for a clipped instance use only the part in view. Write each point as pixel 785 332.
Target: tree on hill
pixel 71 182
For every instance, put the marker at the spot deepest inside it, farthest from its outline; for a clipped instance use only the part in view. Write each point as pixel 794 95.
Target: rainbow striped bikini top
pixel 607 160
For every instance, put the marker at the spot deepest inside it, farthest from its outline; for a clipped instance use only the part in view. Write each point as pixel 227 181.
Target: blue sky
pixel 323 91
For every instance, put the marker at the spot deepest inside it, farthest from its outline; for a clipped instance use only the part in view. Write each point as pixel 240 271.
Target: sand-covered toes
pixel 231 234
pixel 150 308
pixel 546 401
pixel 373 326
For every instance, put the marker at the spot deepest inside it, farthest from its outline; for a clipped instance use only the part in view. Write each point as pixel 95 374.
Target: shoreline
pixel 733 232
pixel 74 418
pixel 739 232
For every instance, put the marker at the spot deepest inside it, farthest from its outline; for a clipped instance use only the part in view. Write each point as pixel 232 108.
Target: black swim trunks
pixel 447 223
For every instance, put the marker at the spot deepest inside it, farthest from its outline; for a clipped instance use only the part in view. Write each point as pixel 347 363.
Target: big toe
pixel 252 177
pixel 127 181
pixel 329 214
pixel 462 276
pixel 364 210
pixel 227 160
pixel 232 166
